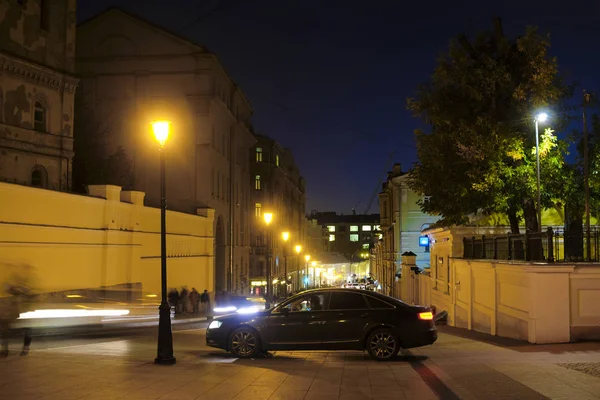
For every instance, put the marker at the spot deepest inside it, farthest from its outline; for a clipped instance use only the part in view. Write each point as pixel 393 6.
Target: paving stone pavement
pixel 453 368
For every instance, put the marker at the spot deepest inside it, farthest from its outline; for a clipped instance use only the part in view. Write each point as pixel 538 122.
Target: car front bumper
pixel 216 338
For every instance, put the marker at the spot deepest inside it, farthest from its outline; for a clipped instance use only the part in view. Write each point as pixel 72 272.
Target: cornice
pixel 37 74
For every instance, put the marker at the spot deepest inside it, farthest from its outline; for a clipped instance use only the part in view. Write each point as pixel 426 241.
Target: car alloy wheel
pixel 244 343
pixel 382 345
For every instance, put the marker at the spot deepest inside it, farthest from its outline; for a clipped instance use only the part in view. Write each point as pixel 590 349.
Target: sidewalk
pixel 455 367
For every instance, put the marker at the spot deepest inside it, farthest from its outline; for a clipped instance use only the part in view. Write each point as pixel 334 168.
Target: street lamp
pixel 285 236
pixel 307 259
pixel 298 249
pixel 268 218
pixel 541 117
pixel 165 336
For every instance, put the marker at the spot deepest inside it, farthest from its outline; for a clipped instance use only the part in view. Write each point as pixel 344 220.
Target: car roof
pixel 345 290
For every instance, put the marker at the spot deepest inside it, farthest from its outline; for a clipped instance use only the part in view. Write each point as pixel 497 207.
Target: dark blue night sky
pixel 329 78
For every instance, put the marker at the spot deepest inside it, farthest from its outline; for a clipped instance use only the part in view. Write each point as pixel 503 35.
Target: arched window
pixel 39 117
pixel 39 177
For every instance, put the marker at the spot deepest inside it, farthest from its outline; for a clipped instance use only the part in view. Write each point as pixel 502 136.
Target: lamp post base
pixel 165 336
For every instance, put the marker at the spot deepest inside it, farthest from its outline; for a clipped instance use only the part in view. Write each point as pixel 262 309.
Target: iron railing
pixel 553 245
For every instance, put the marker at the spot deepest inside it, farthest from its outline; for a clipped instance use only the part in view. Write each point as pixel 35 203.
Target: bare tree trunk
pixel 535 249
pixel 514 221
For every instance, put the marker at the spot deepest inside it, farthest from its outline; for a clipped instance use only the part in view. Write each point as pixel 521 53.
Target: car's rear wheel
pixel 244 343
pixel 382 345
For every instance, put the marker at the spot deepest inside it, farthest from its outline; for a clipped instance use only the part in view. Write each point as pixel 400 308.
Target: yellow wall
pixel 76 242
pixel 538 302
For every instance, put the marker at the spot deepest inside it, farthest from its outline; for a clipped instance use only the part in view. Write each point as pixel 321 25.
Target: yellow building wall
pixel 66 241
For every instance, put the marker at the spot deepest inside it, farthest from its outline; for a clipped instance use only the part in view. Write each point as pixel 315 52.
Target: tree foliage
pixel 95 161
pixel 479 154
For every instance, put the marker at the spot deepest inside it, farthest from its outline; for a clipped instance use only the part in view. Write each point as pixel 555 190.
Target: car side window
pixel 378 304
pixel 347 301
pixel 310 302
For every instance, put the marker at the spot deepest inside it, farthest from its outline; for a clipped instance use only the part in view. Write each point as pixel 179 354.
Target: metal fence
pixel 550 246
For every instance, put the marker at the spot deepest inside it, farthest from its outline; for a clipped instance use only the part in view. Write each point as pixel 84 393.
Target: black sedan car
pixel 326 319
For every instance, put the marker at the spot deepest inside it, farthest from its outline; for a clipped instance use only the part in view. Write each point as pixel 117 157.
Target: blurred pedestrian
pixel 205 301
pixel 173 298
pixel 10 310
pixel 183 299
pixel 195 300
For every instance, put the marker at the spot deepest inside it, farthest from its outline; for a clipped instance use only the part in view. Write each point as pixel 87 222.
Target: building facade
pixel 37 88
pixel 402 222
pixel 133 72
pixel 350 235
pixel 277 188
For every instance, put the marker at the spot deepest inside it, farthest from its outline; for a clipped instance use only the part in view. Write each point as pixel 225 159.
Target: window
pixel 347 301
pixel 258 209
pixel 365 245
pixel 377 228
pixel 310 302
pixel 332 238
pixel 44 14
pixel 39 117
pixel 366 228
pixel 354 237
pixel 259 154
pixel 354 228
pixel 39 177
pixel 277 159
pixel 331 228
pixel 376 303
pixel 257 182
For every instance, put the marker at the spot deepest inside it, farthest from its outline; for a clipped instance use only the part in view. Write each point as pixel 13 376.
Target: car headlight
pixel 215 324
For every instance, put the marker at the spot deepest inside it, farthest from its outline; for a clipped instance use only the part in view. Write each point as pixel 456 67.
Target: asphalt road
pixel 87 336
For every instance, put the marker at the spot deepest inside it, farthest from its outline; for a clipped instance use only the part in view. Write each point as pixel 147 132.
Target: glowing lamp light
pixel 268 217
pixel 43 314
pixel 285 236
pixel 307 257
pixel 541 117
pixel 298 248
pixel 161 131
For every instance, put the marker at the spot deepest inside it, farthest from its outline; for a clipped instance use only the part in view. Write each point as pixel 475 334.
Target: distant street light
pixel 541 117
pixel 285 236
pixel 298 249
pixel 165 335
pixel 268 218
pixel 307 259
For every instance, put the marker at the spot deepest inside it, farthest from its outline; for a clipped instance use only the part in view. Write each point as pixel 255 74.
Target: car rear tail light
pixel 426 316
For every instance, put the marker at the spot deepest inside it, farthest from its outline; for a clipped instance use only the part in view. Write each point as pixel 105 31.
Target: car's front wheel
pixel 244 343
pixel 382 345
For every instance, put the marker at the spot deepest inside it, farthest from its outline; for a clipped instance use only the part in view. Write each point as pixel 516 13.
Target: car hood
pixel 238 317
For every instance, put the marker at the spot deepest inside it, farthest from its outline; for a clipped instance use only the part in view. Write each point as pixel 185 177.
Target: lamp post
pixel 307 259
pixel 268 218
pixel 298 249
pixel 586 175
pixel 541 117
pixel 165 336
pixel 285 236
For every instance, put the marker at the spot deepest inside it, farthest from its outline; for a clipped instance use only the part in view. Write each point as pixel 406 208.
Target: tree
pixel 480 104
pixel 94 162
